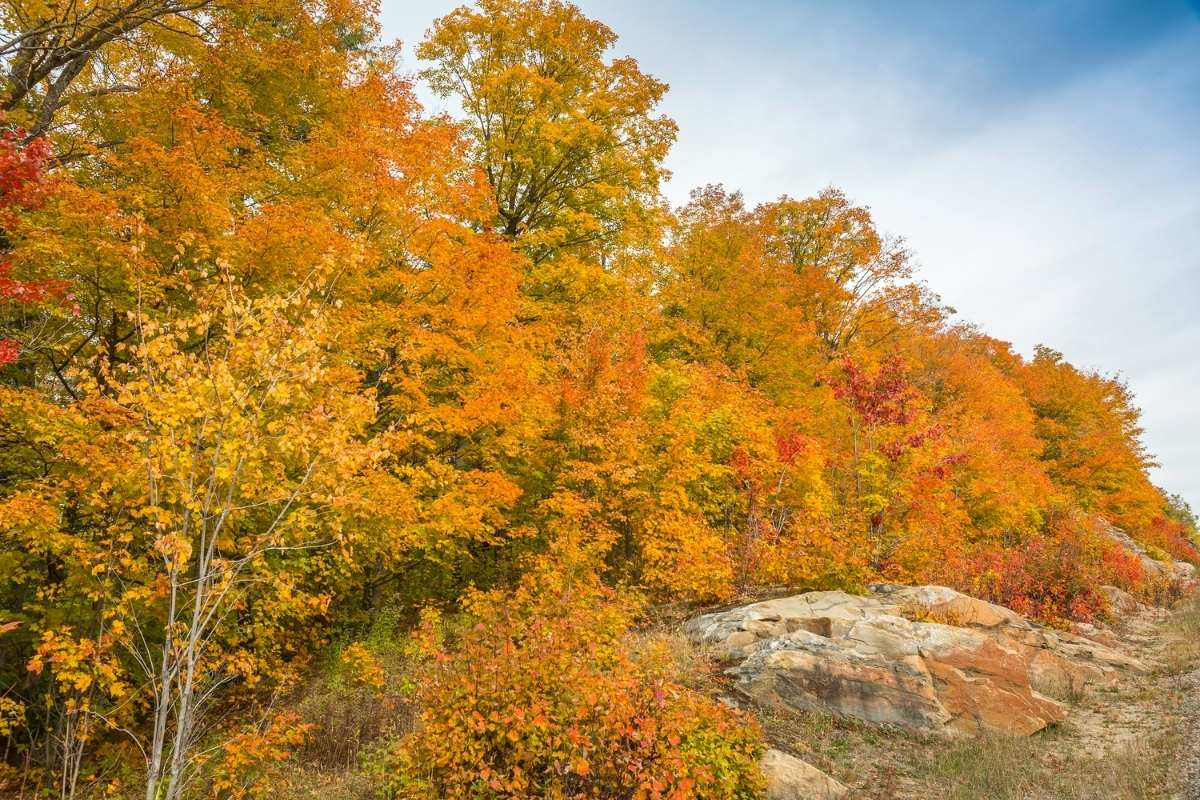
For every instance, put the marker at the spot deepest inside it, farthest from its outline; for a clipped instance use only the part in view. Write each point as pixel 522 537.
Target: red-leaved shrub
pixel 1053 576
pixel 1171 537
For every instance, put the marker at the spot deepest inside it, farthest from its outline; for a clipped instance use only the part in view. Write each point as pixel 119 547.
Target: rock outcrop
pixel 1060 663
pixel 926 658
pixel 789 778
pixel 1180 571
pixel 1122 604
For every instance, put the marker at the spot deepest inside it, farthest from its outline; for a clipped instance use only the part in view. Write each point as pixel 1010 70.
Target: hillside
pixel 352 451
pixel 1102 711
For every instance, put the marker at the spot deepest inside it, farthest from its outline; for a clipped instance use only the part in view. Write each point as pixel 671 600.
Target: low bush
pixel 1053 576
pixel 541 699
pixel 1169 538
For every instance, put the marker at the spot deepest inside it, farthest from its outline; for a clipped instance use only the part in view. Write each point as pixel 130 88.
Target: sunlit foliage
pixel 282 354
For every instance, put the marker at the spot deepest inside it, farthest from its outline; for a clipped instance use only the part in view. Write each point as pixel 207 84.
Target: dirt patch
pixel 1182 658
pixel 1190 757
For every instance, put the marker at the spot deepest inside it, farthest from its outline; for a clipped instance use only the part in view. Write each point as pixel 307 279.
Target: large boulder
pixel 789 778
pixel 738 632
pixel 926 658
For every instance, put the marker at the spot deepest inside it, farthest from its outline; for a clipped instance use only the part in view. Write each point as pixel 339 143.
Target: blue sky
pixel 1041 159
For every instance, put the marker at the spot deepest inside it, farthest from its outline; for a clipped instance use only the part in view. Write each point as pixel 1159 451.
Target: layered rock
pixel 926 658
pixel 1060 663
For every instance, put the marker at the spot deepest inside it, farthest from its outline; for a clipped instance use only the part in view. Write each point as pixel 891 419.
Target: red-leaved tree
pixel 23 186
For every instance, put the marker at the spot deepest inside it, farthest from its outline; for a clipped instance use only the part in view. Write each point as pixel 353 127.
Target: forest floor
pixel 1138 740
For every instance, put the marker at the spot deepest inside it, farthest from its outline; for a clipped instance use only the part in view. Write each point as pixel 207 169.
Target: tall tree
pixel 52 52
pixel 1093 439
pixel 567 137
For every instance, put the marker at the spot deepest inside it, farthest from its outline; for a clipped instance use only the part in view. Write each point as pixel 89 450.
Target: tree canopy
pixel 286 361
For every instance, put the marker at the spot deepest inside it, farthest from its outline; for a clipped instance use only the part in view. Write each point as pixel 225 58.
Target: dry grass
pixel 856 753
pixel 1183 637
pixel 345 721
pixel 354 707
pixel 881 763
pixel 1045 767
pixel 920 612
pixel 304 783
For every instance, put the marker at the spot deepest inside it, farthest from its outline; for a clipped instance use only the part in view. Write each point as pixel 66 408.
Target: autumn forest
pixel 335 430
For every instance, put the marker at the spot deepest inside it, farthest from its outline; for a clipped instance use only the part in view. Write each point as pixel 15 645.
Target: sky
pixel 1042 159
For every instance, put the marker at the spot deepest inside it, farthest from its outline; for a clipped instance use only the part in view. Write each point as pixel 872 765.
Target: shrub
pixel 1162 591
pixel 1122 568
pixel 1056 575
pixel 541 699
pixel 251 759
pixel 1053 576
pixel 1168 540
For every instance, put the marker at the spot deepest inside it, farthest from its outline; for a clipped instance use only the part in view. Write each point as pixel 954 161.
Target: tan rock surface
pixel 890 657
pixel 789 778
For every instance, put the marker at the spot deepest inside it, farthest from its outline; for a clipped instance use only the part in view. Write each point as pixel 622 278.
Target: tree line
pixel 281 354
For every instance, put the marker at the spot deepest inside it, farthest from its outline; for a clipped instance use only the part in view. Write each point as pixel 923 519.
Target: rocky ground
pixel 944 719
pixel 1190 759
